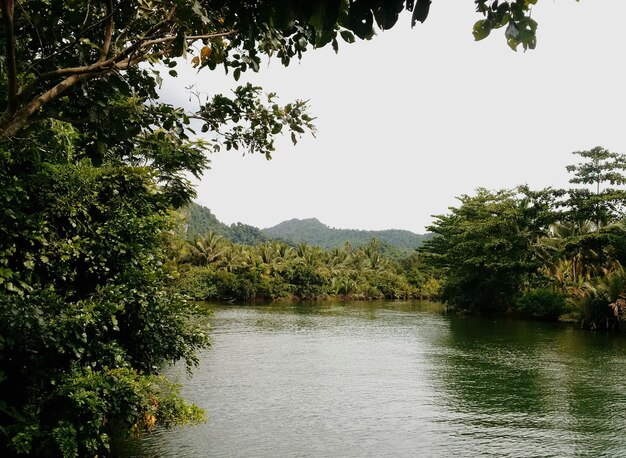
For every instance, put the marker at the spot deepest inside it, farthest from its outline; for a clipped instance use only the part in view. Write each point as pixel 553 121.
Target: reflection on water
pixel 398 379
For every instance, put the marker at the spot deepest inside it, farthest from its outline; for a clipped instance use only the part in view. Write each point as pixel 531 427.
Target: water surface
pixel 398 379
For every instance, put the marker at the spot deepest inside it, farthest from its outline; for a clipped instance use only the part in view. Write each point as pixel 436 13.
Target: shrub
pixel 542 303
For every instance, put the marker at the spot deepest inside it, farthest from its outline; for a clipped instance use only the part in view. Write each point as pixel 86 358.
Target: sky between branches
pixel 415 117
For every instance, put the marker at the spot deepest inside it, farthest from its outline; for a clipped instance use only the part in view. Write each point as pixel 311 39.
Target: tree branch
pixel 154 29
pixel 10 125
pixel 114 61
pixel 108 33
pixel 23 103
pixel 8 7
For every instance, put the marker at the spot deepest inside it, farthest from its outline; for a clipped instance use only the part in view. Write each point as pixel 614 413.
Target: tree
pixel 603 166
pixel 484 248
pixel 91 166
pixel 86 320
pixel 207 249
pixel 605 204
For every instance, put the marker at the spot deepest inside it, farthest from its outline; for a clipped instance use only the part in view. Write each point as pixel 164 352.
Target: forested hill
pixel 200 220
pixel 313 232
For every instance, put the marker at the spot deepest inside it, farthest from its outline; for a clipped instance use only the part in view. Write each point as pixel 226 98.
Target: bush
pixel 86 320
pixel 198 283
pixel 391 285
pixel 542 303
pixel 307 282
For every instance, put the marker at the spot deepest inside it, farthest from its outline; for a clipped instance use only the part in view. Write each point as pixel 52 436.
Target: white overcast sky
pixel 415 117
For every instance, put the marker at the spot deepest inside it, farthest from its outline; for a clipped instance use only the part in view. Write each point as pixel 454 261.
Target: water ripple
pixel 393 380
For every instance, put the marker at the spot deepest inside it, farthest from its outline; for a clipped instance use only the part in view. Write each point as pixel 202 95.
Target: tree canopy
pixel 54 47
pixel 524 251
pixel 485 248
pixel 601 204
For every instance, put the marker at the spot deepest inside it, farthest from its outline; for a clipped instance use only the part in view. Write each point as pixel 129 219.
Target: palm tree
pixel 207 249
pixel 556 250
pixel 234 257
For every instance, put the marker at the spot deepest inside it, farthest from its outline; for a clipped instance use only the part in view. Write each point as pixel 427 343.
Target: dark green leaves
pixel 480 30
pixel 325 15
pixel 347 36
pixel 420 11
pixel 95 319
pixel 515 14
pixel 249 122
pixel 386 13
pixel 361 19
pixel 484 247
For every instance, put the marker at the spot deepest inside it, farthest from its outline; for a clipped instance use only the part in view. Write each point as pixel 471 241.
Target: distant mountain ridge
pixel 314 232
pixel 200 220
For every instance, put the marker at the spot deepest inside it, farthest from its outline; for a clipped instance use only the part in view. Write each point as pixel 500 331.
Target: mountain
pixel 200 220
pixel 313 232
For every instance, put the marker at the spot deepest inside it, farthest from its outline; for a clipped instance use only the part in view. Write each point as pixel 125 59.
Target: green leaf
pixel 505 20
pixel 420 11
pixel 386 17
pixel 481 30
pixel 347 36
pixel 361 19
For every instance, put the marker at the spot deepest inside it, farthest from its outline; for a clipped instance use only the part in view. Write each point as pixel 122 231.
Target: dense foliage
pixel 539 253
pixel 91 167
pixel 213 268
pixel 85 319
pixel 484 246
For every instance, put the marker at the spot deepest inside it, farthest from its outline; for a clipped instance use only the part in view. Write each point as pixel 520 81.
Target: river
pixel 398 379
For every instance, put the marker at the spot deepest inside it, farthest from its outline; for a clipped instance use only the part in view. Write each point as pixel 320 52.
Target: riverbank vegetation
pixel 549 254
pixel 212 268
pixel 542 254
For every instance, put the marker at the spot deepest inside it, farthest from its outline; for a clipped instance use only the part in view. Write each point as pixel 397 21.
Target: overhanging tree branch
pixel 15 120
pixel 115 60
pixel 10 125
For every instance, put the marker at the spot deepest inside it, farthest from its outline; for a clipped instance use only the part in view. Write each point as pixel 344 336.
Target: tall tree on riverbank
pixel 485 249
pixel 601 204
